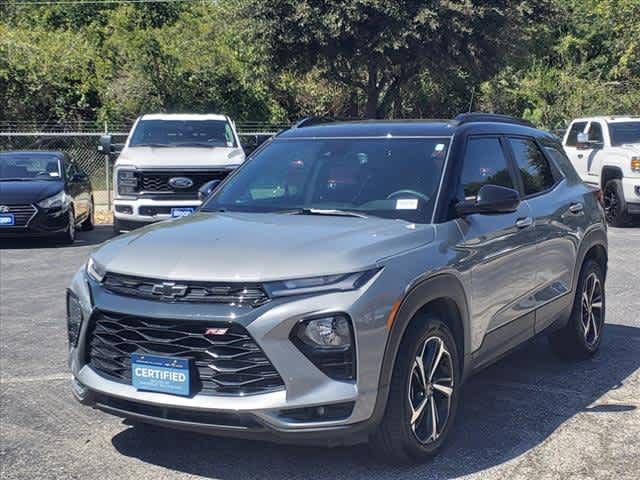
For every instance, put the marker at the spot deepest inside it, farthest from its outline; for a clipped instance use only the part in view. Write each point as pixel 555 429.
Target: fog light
pixel 74 318
pixel 326 332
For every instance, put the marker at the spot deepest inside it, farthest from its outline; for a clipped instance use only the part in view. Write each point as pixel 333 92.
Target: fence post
pixel 106 170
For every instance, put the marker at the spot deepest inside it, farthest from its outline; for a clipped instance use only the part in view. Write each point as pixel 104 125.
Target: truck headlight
pixel 635 164
pixel 59 200
pixel 127 182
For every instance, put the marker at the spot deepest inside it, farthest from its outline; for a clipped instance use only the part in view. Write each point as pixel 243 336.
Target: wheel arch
pixel 610 172
pixel 442 294
pixel 593 246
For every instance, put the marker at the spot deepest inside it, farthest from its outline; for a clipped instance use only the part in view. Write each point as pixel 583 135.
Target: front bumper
pixel 41 223
pixel 263 415
pixel 631 189
pixel 143 211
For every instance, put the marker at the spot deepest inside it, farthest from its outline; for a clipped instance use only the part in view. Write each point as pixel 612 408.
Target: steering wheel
pixel 408 192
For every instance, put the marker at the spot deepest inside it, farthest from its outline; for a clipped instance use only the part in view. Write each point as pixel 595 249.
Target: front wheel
pixel 581 337
pixel 69 235
pixel 423 396
pixel 90 221
pixel 615 207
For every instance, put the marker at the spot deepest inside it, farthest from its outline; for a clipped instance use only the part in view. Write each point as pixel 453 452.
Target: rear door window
pixel 536 171
pixel 484 164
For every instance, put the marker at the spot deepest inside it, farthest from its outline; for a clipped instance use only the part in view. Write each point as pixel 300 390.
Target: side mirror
pixel 207 189
pixel 490 199
pixel 105 144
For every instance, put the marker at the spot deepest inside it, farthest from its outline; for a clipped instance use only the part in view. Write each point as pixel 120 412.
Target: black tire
pixel 395 439
pixel 69 235
pixel 117 227
pixel 89 222
pixel 615 207
pixel 581 337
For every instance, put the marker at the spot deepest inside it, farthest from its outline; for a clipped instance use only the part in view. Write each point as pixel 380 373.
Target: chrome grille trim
pixel 252 295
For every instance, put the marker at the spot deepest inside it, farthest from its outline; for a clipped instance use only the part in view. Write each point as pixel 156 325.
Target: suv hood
pixel 180 157
pixel 232 246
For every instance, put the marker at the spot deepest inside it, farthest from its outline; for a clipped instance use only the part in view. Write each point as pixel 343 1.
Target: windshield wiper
pixel 326 211
pixel 157 145
pixel 199 144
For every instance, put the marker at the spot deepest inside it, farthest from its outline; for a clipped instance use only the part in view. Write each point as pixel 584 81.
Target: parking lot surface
pixel 529 416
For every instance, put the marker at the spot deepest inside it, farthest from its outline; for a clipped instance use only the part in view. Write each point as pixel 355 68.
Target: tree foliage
pixel 280 60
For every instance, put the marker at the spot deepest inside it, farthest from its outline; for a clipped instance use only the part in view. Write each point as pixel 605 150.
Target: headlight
pixel 635 164
pixel 74 318
pixel 328 342
pixel 324 284
pixel 95 270
pixel 127 182
pixel 59 200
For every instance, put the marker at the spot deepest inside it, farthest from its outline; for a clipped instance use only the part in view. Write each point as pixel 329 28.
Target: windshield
pixel 29 167
pixel 386 177
pixel 183 133
pixel 624 133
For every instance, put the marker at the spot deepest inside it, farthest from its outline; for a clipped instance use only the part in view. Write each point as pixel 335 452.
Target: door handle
pixel 580 155
pixel 576 207
pixel 524 222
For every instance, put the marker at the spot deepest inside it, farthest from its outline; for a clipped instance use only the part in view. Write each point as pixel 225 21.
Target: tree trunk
pixel 373 92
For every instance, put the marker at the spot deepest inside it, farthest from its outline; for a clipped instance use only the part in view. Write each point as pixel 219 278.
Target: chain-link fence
pixel 82 146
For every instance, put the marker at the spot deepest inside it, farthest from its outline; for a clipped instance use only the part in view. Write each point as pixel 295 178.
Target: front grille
pixel 227 364
pixel 158 182
pixel 22 214
pixel 195 292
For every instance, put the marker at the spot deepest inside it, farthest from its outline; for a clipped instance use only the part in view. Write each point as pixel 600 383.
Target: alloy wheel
pixel 591 310
pixel 430 390
pixel 610 205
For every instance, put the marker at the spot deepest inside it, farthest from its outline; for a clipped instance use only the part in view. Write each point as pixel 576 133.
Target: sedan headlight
pixel 59 200
pixel 323 284
pixel 95 270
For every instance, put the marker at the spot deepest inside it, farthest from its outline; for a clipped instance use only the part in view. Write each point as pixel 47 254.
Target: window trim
pixel 553 166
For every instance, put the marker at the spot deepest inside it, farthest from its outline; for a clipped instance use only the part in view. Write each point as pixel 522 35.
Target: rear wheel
pixel 581 337
pixel 615 207
pixel 423 396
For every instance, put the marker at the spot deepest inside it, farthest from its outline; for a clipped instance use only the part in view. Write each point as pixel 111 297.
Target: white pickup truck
pixel 166 160
pixel 605 151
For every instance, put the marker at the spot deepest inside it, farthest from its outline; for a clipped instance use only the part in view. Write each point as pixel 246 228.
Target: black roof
pixel 472 123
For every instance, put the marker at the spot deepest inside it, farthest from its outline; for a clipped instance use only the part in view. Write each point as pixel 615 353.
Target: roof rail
pixel 311 121
pixel 463 118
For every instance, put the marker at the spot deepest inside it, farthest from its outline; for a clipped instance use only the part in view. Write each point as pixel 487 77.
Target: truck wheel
pixel 117 227
pixel 423 394
pixel 615 207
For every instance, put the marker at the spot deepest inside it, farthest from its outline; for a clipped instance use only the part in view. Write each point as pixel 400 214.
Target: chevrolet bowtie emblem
pixel 169 290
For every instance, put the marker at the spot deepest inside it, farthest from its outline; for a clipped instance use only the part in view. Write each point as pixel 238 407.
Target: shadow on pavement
pixel 98 235
pixel 505 411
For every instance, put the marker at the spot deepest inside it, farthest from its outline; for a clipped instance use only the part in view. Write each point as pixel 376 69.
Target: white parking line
pixel 41 378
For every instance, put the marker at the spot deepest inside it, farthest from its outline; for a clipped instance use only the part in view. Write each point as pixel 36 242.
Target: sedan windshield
pixel 183 133
pixel 23 166
pixel 386 177
pixel 624 133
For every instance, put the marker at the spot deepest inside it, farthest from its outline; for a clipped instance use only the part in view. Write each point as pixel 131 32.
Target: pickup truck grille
pixel 251 295
pixel 227 363
pixel 158 182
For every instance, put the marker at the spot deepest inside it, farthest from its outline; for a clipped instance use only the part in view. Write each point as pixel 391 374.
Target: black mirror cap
pixel 207 189
pixel 491 199
pixel 105 144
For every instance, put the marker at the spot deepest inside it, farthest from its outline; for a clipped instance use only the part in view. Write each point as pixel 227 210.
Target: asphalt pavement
pixel 530 416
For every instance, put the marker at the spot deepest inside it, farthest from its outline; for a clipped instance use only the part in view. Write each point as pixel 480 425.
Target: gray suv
pixel 343 283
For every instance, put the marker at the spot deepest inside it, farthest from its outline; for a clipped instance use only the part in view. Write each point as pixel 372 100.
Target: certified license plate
pixel 7 220
pixel 161 374
pixel 181 212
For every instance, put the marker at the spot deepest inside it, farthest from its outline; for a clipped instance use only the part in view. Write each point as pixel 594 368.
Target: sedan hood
pixel 28 191
pixel 181 157
pixel 253 247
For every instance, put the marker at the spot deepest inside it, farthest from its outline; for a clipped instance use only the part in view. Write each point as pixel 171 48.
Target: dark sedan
pixel 43 193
